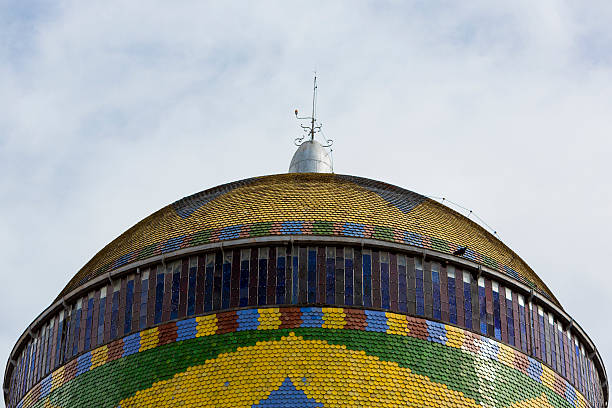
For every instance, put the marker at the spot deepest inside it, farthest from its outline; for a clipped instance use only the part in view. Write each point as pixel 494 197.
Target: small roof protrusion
pixel 311 156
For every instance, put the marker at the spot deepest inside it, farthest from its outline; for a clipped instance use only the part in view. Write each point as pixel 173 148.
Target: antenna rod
pixel 314 97
pixel 314 128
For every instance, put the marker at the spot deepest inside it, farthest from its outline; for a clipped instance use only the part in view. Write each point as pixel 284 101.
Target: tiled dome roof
pixel 307 204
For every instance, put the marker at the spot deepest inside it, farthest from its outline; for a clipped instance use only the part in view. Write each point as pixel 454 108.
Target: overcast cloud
pixel 110 110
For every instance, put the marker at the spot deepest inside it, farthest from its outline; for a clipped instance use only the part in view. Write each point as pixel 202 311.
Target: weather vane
pixel 313 127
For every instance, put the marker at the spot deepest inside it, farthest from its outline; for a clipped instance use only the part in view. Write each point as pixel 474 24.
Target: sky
pixel 110 110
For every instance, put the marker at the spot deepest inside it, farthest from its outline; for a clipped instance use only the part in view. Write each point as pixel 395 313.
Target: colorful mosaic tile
pixel 308 357
pixel 307 204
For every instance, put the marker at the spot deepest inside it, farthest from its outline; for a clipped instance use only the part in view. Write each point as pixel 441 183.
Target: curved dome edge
pixel 187 206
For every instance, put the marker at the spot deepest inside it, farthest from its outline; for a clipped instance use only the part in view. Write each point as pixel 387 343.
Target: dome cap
pixel 311 157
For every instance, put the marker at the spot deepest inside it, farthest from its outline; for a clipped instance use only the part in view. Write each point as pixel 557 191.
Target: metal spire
pixel 311 156
pixel 314 107
pixel 313 128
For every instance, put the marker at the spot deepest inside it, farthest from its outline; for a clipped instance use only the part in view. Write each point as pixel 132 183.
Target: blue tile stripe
pixel 248 319
pixel 376 321
pixel 312 317
pixel 291 227
pixel 186 329
pixel 131 344
pixel 436 332
pixel 83 363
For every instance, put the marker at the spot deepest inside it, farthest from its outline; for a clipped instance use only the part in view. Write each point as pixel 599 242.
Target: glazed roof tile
pixel 307 204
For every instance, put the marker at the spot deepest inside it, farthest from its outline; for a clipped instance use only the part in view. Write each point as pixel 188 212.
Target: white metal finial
pixel 314 127
pixel 311 156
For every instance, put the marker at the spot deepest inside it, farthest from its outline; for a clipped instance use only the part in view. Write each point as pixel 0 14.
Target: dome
pixel 315 204
pixel 311 157
pixel 305 290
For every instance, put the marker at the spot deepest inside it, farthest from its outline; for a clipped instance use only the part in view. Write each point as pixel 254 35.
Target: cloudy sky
pixel 110 110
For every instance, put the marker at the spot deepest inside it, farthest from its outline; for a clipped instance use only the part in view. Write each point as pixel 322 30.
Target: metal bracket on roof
pixel 592 354
pixel 64 304
pixel 476 274
pixel 570 325
pixel 13 362
pixel 531 295
pixel 138 270
pixel 110 279
pixel 290 245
